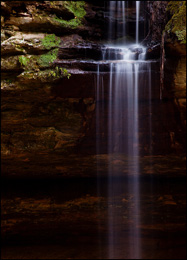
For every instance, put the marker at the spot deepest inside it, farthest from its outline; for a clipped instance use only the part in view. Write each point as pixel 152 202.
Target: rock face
pixel 157 20
pixel 33 118
pixel 48 89
pixel 180 89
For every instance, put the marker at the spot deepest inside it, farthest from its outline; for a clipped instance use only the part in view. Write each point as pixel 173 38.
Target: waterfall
pixel 137 20
pixel 120 115
pixel 123 15
pixel 116 14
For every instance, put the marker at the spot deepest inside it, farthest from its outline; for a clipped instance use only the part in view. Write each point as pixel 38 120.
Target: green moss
pixel 47 59
pixel 77 8
pixel 44 75
pixel 59 73
pixel 177 23
pixel 73 23
pixel 23 60
pixel 65 73
pixel 50 41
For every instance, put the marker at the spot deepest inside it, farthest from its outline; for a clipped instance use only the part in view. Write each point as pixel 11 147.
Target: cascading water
pixel 116 14
pixel 137 20
pixel 121 97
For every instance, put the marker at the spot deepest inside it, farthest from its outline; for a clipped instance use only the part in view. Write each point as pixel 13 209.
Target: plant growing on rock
pixel 51 41
pixel 65 73
pixel 45 60
pixel 177 23
pixel 77 8
pixel 59 72
pixel 23 60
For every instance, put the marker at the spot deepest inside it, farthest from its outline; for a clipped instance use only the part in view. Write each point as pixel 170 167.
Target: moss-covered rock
pixel 50 41
pixel 176 26
pixel 43 76
pixel 48 24
pixel 30 77
pixel 20 63
pixel 46 60
pixel 77 8
pixel 31 43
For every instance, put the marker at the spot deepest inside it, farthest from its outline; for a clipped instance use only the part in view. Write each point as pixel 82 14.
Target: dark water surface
pixel 66 219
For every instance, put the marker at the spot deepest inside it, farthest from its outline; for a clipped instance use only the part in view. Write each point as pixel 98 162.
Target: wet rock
pixel 153 52
pixel 34 77
pixel 5 8
pixel 180 88
pixel 136 50
pixel 2 20
pixel 84 165
pixel 7 84
pixel 79 85
pixel 83 65
pixel 48 24
pixel 158 19
pixel 43 24
pixel 44 124
pixel 3 36
pixel 90 51
pixel 22 43
pixel 27 64
pixel 72 40
pixel 81 52
pixel 59 8
pixel 175 49
pixel 10 64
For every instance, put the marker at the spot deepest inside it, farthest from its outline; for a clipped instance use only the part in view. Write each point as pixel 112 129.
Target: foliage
pixel 58 72
pixel 177 23
pixel 77 8
pixel 66 73
pixel 50 41
pixel 23 60
pixel 73 23
pixel 46 59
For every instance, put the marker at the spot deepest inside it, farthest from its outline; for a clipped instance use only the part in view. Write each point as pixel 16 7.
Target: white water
pixel 123 122
pixel 137 20
pixel 117 15
pixel 122 94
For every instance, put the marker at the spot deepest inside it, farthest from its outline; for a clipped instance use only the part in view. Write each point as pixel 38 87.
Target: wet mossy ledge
pixel 33 31
pixel 177 24
pixel 175 28
pixel 77 8
pixel 32 64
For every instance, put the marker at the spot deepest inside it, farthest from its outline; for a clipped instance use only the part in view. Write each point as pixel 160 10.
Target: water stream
pixel 137 20
pixel 121 99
